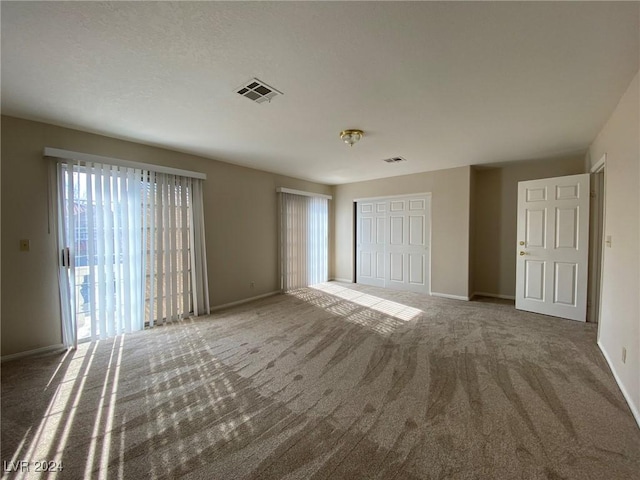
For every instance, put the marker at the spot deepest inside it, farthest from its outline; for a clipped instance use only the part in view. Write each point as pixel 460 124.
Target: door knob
pixel 521 243
pixel 523 253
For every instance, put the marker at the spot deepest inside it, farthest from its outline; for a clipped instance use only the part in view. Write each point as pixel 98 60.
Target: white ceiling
pixel 441 84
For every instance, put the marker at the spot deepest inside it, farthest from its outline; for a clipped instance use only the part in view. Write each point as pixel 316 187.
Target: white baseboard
pixel 30 353
pixel 246 300
pixel 625 394
pixel 344 280
pixel 447 295
pixel 493 295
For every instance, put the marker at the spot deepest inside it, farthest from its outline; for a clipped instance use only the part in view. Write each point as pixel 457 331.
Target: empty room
pixel 320 240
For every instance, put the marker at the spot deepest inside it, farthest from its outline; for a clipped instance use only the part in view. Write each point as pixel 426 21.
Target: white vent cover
pixel 394 160
pixel 258 91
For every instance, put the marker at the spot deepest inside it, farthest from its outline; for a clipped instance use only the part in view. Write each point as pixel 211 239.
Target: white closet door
pixel 371 239
pixel 393 243
pixel 407 249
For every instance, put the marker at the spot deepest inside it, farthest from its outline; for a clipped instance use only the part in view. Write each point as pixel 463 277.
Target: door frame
pixel 597 251
pixel 390 197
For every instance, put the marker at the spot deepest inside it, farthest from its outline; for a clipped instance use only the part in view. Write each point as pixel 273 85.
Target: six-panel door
pixel 371 240
pixel 552 250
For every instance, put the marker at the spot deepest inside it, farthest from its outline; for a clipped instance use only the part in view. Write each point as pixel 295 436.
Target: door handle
pixel 523 253
pixel 66 257
pixel 521 242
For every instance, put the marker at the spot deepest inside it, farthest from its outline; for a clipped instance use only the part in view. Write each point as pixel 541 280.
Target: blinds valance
pixel 61 155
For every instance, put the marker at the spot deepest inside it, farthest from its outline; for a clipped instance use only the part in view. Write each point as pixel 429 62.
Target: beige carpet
pixel 340 382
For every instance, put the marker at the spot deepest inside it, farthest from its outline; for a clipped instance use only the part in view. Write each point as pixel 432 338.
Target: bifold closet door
pixel 392 242
pixel 371 233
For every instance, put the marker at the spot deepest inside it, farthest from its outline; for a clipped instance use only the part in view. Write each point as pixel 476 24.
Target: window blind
pixel 304 240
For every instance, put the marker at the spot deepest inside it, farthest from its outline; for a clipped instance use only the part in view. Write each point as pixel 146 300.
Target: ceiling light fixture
pixel 351 136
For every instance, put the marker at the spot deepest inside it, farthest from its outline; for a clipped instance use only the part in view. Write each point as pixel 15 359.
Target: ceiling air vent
pixel 394 160
pixel 258 91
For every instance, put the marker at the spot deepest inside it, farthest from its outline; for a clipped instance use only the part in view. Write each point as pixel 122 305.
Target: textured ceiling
pixel 440 84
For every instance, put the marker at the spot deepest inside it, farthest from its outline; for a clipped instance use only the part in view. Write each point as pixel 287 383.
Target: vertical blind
pixel 175 263
pixel 132 246
pixel 304 240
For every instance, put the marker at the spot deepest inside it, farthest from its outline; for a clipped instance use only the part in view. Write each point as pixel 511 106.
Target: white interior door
pixel 393 243
pixel 371 233
pixel 553 246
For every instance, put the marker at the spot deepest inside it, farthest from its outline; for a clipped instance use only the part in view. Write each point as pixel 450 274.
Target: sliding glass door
pixel 101 230
pixel 128 241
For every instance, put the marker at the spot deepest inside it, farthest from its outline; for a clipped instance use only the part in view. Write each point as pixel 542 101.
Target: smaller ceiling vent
pixel 394 160
pixel 258 91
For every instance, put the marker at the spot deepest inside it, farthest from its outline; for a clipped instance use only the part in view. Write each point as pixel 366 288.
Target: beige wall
pixel 473 183
pixel 620 310
pixel 449 223
pixel 495 205
pixel 240 224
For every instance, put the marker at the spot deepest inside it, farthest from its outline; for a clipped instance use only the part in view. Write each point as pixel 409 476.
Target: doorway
pixel 596 239
pixel 128 241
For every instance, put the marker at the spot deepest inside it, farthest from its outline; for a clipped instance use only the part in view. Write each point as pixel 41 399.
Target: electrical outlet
pixel 25 245
pixel 624 355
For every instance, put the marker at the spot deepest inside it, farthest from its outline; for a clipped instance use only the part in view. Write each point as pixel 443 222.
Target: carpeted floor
pixel 338 382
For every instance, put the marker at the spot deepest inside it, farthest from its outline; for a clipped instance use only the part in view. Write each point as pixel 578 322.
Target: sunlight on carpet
pixel 388 307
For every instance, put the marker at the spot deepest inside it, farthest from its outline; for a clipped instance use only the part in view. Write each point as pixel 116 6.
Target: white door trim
pixel 388 197
pixel 596 244
pixel 599 165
